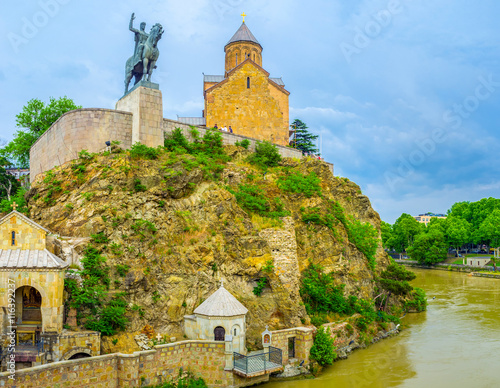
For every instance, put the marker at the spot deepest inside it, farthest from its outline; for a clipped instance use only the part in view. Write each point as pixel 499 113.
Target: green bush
pixel 323 351
pixel 142 151
pixel 266 155
pixel 122 269
pixel 252 198
pixel 138 187
pixel 99 238
pixel 365 237
pixel 308 185
pixel 245 143
pixel 184 380
pixel 261 284
pixel 395 279
pixel 419 301
pixel 18 198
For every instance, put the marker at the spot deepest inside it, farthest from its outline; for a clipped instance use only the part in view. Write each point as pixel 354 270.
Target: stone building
pixel 221 318
pixel 246 97
pixel 31 301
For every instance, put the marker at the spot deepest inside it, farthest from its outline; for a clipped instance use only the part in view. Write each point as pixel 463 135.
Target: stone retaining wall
pixel 303 342
pixel 150 367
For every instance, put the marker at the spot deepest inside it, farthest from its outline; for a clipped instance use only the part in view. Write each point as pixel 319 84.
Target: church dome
pixel 221 304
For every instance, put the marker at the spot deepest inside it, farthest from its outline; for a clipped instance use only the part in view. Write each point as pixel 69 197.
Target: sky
pixel 404 94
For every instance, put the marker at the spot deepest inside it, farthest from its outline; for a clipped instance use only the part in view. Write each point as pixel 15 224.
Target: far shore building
pixel 426 218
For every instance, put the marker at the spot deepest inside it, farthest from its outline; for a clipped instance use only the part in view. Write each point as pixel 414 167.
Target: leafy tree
pixel 8 184
pixel 304 140
pixel 457 232
pixel 395 279
pixel 386 230
pixel 35 118
pixel 323 351
pixel 429 248
pixel 6 204
pixel 404 231
pixel 489 230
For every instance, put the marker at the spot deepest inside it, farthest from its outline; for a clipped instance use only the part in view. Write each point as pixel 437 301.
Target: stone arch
pixel 28 281
pixel 219 333
pixel 236 330
pixel 75 351
pixel 32 314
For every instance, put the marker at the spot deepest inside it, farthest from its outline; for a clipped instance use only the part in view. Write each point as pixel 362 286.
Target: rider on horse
pixel 140 38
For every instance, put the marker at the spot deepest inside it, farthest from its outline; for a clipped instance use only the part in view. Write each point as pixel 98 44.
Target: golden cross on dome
pixel 14 205
pixel 243 15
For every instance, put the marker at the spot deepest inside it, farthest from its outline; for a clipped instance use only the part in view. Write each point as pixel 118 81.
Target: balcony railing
pixel 258 364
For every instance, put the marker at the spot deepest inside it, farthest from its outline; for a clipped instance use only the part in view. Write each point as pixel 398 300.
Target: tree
pixel 404 231
pixel 386 231
pixel 8 184
pixel 323 351
pixel 35 118
pixel 489 230
pixel 304 140
pixel 429 248
pixel 266 155
pixel 457 232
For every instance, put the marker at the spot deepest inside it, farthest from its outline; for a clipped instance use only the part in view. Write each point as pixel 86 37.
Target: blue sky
pixel 404 94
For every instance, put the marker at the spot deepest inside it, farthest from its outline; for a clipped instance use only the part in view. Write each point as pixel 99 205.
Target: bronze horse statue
pixel 142 67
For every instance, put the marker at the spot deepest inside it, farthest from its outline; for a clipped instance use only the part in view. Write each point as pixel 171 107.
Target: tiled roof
pixel 278 81
pixel 213 78
pixel 192 120
pixel 243 34
pixel 221 304
pixel 25 258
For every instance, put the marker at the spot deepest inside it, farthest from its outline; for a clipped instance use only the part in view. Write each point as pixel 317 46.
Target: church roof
pixel 243 35
pixel 30 259
pixel 24 218
pixel 221 304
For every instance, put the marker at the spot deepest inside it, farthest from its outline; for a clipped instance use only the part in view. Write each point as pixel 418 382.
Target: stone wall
pixel 303 342
pixel 203 358
pixel 70 343
pixel 77 130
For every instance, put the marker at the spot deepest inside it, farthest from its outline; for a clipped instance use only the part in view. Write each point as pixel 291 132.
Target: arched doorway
pixel 219 333
pixel 28 306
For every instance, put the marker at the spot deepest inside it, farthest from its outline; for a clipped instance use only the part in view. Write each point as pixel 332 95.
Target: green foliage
pixel 418 301
pixel 296 182
pixel 429 248
pixel 18 198
pixel 99 238
pixel 316 216
pixel 138 187
pixel 142 151
pixel 35 118
pixel 8 185
pixel 323 351
pixel 100 311
pixel 122 269
pixel 364 236
pixel 404 232
pixel 268 267
pixel 395 279
pixel 261 284
pixel 386 232
pixel 184 380
pixel 143 227
pixel 266 155
pixel 303 139
pixel 253 199
pixel 245 143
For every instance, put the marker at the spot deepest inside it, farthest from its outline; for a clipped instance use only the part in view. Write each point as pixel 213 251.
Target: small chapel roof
pixel 30 259
pixel 23 217
pixel 221 304
pixel 243 35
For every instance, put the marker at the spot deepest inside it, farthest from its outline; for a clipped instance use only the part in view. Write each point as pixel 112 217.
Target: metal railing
pixel 260 362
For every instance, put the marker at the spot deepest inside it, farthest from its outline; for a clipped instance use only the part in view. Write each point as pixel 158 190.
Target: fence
pixel 258 363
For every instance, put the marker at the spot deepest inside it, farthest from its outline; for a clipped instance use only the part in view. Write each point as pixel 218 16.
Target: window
pixel 13 238
pixel 236 59
pixel 235 331
pixel 248 82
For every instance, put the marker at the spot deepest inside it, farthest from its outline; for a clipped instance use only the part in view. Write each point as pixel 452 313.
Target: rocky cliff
pixel 172 232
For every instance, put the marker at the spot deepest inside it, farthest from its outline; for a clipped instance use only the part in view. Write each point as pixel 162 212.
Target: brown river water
pixel 456 343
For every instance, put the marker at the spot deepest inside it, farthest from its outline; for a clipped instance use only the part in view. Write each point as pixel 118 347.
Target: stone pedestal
pixel 144 101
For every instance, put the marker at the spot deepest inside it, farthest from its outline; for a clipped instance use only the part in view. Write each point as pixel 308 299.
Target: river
pixel 456 343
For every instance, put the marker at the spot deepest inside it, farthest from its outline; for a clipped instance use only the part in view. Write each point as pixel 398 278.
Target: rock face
pixel 179 234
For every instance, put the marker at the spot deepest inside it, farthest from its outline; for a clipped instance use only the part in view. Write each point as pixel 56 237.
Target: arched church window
pixel 219 333
pixel 236 59
pixel 13 238
pixel 248 82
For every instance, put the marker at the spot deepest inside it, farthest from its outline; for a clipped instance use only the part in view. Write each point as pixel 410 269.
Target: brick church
pixel 246 97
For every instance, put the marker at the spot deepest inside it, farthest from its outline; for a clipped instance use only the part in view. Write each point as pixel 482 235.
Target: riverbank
pixel 454 267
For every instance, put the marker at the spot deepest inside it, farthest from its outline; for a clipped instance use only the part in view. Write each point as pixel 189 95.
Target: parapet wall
pixel 74 131
pixel 151 367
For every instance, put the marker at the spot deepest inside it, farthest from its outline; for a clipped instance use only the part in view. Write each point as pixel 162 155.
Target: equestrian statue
pixel 146 53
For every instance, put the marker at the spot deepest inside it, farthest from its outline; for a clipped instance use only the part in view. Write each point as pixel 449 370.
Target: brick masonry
pixel 303 342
